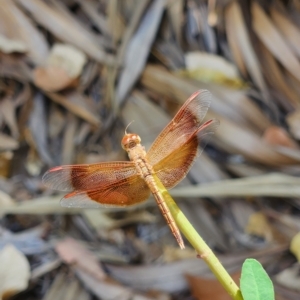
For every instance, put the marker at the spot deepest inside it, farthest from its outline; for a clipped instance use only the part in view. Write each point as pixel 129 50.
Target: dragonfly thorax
pixel 130 140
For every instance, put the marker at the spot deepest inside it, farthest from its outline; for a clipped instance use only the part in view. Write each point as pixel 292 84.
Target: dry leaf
pixel 89 271
pixel 164 276
pixel 52 79
pixel 233 104
pixel 37 134
pixel 137 14
pixel 259 225
pixel 272 39
pixel 272 185
pixel 295 246
pixel 98 219
pixel 277 136
pixel 157 276
pixel 66 29
pixel 33 163
pixel 7 142
pixel 211 68
pixel 63 67
pixel 208 289
pixel 5 163
pixel 289 278
pixel 78 105
pixel 237 53
pixel 10 45
pixel 14 272
pixel 69 139
pixel 71 59
pixel 28 241
pixel 197 59
pixel 176 15
pixel 99 20
pixel 45 268
pixel 8 113
pixel 5 202
pixel 66 286
pixel 57 121
pixel 15 25
pixel 50 205
pixel 74 253
pixel 139 48
pixel 171 253
pixel 40 206
pixel 211 76
pixel 104 289
pixel 231 136
pixel 293 120
pixel 241 46
pixel 277 79
pixel 115 23
pixel 289 31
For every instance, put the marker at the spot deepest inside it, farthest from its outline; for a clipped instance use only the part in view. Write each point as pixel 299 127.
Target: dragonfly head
pixel 130 140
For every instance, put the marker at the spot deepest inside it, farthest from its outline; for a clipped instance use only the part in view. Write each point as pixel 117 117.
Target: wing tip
pixel 79 199
pixel 209 127
pixel 55 179
pixel 72 194
pixel 215 122
pixel 45 178
pixel 54 169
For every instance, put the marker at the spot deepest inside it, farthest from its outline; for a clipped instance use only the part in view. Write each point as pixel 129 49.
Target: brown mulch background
pixel 75 73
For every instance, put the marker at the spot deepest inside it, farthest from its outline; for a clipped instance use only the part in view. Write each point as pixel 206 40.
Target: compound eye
pixel 131 144
pixel 137 139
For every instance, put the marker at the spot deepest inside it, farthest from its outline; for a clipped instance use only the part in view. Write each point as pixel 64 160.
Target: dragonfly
pixel 127 183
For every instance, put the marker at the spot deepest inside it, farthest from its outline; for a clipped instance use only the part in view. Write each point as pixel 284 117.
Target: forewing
pixel 174 167
pixel 183 126
pixel 127 192
pixel 89 176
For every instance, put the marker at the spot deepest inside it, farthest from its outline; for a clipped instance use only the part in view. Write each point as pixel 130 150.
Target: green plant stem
pixel 199 245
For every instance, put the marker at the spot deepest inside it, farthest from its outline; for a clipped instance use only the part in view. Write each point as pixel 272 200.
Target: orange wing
pixel 186 123
pixel 89 176
pixel 125 192
pixel 175 166
pixel 95 185
pixel 175 149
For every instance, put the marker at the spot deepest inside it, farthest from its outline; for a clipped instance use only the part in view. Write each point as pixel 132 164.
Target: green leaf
pixel 255 282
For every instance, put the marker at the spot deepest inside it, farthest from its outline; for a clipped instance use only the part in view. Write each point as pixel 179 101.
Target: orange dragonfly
pixel 125 183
